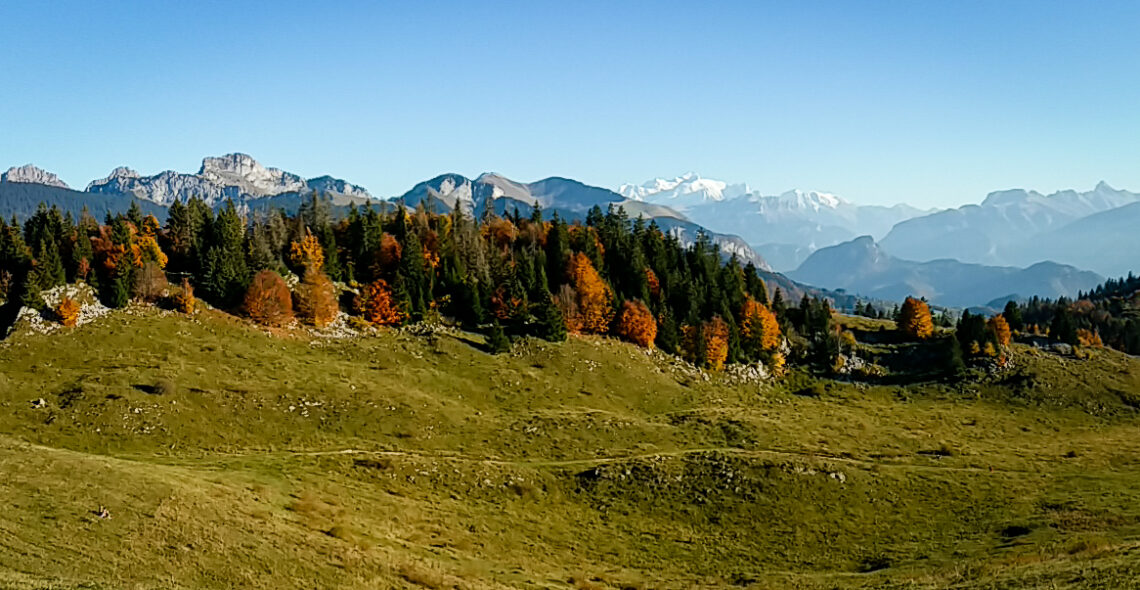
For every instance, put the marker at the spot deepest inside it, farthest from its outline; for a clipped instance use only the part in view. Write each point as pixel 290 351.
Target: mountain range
pixel 862 266
pixel 1018 227
pixel 783 228
pixel 963 256
pixel 253 186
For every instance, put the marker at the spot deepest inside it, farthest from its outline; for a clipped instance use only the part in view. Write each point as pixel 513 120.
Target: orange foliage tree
pixel 1000 329
pixel 916 320
pixel 184 300
pixel 68 311
pixel 505 305
pixel 594 312
pixel 706 345
pixel 636 324
pixel 653 282
pixel 307 253
pixel 376 305
pixel 715 335
pixel 316 299
pixel 390 253
pixel 267 301
pixel 1089 338
pixel 759 329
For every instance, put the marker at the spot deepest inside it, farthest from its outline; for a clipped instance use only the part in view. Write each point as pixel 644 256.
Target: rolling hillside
pixel 227 457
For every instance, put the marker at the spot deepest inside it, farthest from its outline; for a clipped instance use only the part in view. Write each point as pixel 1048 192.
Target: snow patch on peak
pixel 682 192
pixel 812 200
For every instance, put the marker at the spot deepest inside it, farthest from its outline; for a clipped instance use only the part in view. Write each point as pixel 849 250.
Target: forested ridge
pixel 503 275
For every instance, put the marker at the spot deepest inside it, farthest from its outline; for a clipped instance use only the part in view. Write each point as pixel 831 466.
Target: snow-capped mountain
pixel 32 175
pixel 783 228
pixel 232 176
pixel 571 199
pixel 683 192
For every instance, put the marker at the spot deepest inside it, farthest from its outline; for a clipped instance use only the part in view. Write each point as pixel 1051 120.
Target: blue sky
pixel 932 103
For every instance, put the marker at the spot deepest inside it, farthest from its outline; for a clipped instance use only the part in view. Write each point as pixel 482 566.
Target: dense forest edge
pixel 508 276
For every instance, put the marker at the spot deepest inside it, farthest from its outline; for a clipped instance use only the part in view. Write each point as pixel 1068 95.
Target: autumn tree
pixel 715 335
pixel 1089 338
pixel 999 327
pixel 316 299
pixel 759 329
pixel 307 254
pixel 267 300
pixel 150 283
pixel 636 324
pixel 594 311
pixel 375 303
pixel 915 319
pixel 67 311
pixel 184 300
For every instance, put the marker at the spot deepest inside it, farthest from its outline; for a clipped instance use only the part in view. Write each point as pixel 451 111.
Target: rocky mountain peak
pixel 33 175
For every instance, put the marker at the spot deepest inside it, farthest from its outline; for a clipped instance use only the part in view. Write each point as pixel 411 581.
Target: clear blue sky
pixel 934 103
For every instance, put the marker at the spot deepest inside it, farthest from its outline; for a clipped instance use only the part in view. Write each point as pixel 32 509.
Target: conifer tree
pixel 497 340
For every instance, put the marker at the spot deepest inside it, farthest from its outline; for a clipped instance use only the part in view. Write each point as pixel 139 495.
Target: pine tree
pixel 497 340
pixel 549 323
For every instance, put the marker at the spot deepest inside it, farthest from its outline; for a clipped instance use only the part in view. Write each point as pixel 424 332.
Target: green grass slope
pixel 229 457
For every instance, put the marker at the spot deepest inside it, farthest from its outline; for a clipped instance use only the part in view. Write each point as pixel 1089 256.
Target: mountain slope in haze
pixel 571 199
pixel 997 230
pixel 861 266
pixel 20 200
pixel 785 228
pixel 232 176
pixel 1108 242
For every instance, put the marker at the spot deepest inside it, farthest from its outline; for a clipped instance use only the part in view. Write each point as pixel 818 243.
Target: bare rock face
pixel 32 175
pixel 232 176
pixel 243 171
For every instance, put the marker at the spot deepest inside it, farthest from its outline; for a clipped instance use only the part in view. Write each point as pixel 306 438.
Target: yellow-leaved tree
pixel 915 319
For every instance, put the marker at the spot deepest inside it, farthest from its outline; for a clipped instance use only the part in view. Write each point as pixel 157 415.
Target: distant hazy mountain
pixel 861 266
pixel 1107 242
pixel 233 176
pixel 787 227
pixel 1010 227
pixel 20 199
pixel 569 198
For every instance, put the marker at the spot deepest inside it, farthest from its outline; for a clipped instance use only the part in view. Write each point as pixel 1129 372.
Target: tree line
pixel 507 275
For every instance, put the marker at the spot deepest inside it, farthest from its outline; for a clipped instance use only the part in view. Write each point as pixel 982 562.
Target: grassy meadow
pixel 229 457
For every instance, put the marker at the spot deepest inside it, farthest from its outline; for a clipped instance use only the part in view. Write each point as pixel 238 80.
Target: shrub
pixel 184 300
pixel 316 299
pixel 267 301
pixel 68 311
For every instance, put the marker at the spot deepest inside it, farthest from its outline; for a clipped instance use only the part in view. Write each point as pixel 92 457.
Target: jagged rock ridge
pixel 32 175
pixel 232 176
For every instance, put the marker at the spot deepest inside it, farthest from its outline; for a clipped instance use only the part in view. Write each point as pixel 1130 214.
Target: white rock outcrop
pixel 232 176
pixel 33 175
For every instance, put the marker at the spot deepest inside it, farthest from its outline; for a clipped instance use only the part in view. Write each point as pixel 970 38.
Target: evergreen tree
pixel 549 323
pixel 1012 314
pixel 497 340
